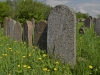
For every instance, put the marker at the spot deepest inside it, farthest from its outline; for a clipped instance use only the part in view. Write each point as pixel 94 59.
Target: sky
pixel 92 7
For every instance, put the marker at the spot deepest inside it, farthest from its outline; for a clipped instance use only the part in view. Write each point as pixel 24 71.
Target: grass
pixel 17 59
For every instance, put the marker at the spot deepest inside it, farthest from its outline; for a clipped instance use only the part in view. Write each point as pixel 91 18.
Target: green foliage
pixel 28 9
pixel 4 11
pixel 17 59
pixel 81 16
pixel 88 58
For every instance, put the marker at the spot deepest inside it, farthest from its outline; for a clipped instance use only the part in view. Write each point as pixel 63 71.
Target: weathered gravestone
pixel 40 35
pixel 12 24
pixel 88 22
pixel 97 26
pixel 17 32
pixel 61 35
pixel 7 26
pixel 28 30
pixel 94 21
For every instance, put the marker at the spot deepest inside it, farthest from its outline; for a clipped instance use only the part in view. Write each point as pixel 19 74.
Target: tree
pixel 4 11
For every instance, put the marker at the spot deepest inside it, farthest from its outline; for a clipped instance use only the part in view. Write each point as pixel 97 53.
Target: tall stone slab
pixel 40 35
pixel 28 30
pixel 97 27
pixel 12 24
pixel 94 21
pixel 88 22
pixel 61 35
pixel 6 26
pixel 17 32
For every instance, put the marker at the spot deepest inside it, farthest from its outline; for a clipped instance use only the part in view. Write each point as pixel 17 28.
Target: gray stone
pixel 94 21
pixel 17 32
pixel 28 30
pixel 97 27
pixel 12 24
pixel 5 25
pixel 88 22
pixel 61 35
pixel 40 35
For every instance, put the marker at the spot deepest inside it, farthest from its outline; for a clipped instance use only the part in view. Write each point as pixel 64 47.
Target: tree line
pixel 22 10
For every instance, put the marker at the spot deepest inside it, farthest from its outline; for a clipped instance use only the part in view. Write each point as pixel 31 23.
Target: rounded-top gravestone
pixel 61 35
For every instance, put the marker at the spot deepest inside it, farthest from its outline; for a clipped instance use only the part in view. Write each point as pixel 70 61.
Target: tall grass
pixel 17 59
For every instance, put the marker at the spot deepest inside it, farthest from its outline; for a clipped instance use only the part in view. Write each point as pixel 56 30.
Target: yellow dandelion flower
pixel 0 57
pixel 90 66
pixel 40 58
pixel 48 70
pixel 5 54
pixel 18 66
pixel 7 44
pixel 9 74
pixel 44 55
pixel 10 48
pixel 25 66
pixel 45 69
pixel 24 56
pixel 29 54
pixel 17 52
pixel 28 67
pixel 15 41
pixel 1 45
pixel 57 62
pixel 55 69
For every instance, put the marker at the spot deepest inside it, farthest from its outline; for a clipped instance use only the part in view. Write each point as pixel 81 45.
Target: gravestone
pixel 94 21
pixel 12 24
pixel 88 22
pixel 5 25
pixel 97 27
pixel 61 35
pixel 40 35
pixel 17 32
pixel 28 30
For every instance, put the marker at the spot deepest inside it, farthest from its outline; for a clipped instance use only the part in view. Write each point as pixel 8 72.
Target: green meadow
pixel 17 59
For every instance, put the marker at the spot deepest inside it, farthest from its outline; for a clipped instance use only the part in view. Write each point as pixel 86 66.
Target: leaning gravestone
pixel 88 22
pixel 40 35
pixel 7 26
pixel 97 27
pixel 61 35
pixel 17 32
pixel 28 30
pixel 12 24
